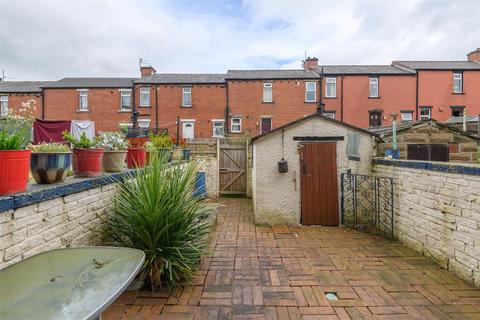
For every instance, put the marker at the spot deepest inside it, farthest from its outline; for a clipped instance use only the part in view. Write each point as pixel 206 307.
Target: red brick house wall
pixel 436 90
pixel 103 107
pixel 15 101
pixel 245 99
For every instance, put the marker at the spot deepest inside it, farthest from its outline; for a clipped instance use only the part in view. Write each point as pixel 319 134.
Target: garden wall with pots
pixel 53 216
pixel 437 211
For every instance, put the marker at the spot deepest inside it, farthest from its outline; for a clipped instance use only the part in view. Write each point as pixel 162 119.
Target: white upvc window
pixel 144 123
pixel 83 100
pixel 310 91
pixel 407 116
pixel 125 99
pixel 425 113
pixel 329 114
pixel 373 87
pixel 186 96
pixel 144 96
pixel 267 92
pixel 457 83
pixel 331 87
pixel 218 126
pixel 3 105
pixel 236 125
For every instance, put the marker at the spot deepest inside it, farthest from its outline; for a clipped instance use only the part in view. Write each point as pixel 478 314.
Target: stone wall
pixel 437 211
pixel 56 223
pixel 208 163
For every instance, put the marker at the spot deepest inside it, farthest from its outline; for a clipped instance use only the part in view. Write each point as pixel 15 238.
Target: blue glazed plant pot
pixel 50 168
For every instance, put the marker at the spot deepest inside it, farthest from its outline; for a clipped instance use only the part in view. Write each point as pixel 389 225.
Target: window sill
pixel 374 97
pixel 310 102
pixel 186 107
pixel 458 93
pixel 235 131
pixel 124 111
pixel 266 102
pixel 330 97
pixel 145 106
pixel 83 110
pixel 353 158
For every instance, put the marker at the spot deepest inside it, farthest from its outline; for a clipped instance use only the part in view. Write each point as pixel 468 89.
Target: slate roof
pixel 92 83
pixel 362 69
pixel 22 86
pixel 438 65
pixel 183 78
pixel 270 74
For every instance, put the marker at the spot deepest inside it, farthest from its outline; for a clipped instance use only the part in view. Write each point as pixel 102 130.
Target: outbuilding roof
pixel 22 86
pixel 362 70
pixel 438 65
pixel 183 78
pixel 314 115
pixel 270 74
pixel 92 83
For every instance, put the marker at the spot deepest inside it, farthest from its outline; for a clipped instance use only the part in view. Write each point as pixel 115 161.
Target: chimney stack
pixel 474 55
pixel 146 71
pixel 310 63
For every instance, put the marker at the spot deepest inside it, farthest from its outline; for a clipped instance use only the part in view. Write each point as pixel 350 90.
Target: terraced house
pixel 249 102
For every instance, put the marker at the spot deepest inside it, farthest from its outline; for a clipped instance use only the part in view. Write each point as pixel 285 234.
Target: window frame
pixel 232 124
pixel 373 81
pixel 147 89
pixel 267 85
pixel 216 121
pixel 379 113
pixel 460 79
pixel 353 146
pixel 4 99
pixel 457 108
pixel 261 124
pixel 421 117
pixel 186 90
pixel 404 113
pixel 330 81
pixel 83 93
pixel 329 114
pixel 124 92
pixel 314 91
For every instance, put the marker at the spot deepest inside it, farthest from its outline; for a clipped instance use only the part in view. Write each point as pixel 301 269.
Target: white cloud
pixel 54 39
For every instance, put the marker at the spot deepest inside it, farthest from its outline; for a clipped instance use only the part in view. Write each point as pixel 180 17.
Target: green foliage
pixel 82 143
pixel 161 141
pixel 50 147
pixel 155 211
pixel 478 155
pixel 112 141
pixel 12 141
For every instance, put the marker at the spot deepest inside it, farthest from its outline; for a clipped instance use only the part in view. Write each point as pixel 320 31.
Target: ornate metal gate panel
pixel 367 203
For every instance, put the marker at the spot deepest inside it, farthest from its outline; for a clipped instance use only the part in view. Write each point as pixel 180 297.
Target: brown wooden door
pixel 233 167
pixel 319 185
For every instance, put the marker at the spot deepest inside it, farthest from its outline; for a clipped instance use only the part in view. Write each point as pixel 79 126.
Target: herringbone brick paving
pixel 285 272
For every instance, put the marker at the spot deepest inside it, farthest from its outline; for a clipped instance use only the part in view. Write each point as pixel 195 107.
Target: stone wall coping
pixel 41 192
pixel 449 167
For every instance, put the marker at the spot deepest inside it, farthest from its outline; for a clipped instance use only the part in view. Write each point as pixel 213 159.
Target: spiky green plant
pixel 12 141
pixel 155 210
pixel 82 143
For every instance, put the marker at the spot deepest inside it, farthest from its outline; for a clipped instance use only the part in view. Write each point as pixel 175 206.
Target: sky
pixel 49 40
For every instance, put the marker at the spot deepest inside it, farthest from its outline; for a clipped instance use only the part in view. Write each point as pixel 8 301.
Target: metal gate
pixel 367 203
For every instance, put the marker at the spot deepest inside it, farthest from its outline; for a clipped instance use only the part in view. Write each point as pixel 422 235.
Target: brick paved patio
pixel 284 272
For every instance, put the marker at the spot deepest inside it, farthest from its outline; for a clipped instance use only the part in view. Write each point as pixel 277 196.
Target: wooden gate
pixel 232 157
pixel 319 184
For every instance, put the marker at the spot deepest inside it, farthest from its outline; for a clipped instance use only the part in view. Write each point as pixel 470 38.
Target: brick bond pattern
pixel 283 273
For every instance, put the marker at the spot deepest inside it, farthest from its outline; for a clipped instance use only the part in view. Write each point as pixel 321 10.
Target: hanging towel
pixel 50 130
pixel 80 126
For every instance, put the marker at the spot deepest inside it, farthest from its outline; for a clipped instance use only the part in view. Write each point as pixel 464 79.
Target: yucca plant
pixel 155 211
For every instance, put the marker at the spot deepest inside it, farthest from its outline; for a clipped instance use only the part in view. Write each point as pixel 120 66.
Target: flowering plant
pixel 16 128
pixel 112 141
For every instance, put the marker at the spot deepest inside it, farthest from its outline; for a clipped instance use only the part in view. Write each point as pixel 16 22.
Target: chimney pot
pixel 146 71
pixel 310 63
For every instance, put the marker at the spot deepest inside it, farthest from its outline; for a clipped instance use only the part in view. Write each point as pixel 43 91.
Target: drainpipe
pixel 227 110
pixel 43 103
pixel 341 98
pixel 320 102
pixel 394 131
pixel 416 94
pixel 178 130
pixel 156 108
pixel 134 109
pixel 464 119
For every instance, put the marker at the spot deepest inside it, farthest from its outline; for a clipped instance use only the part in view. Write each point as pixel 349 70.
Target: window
pixel 407 116
pixel 331 88
pixel 457 111
pixel 3 105
pixel 267 92
pixel 218 128
pixel 352 146
pixel 311 92
pixel 186 96
pixel 125 100
pixel 266 125
pixel 457 83
pixel 425 113
pixel 144 96
pixel 329 114
pixel 83 100
pixel 236 125
pixel 373 87
pixel 375 119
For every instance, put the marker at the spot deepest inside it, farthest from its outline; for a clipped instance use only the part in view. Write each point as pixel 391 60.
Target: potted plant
pixel 152 151
pixel 136 157
pixel 163 143
pixel 86 160
pixel 115 150
pixel 50 162
pixel 15 134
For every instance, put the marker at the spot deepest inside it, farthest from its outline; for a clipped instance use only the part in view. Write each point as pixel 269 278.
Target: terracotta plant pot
pixel 50 167
pixel 87 162
pixel 14 167
pixel 114 161
pixel 136 158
